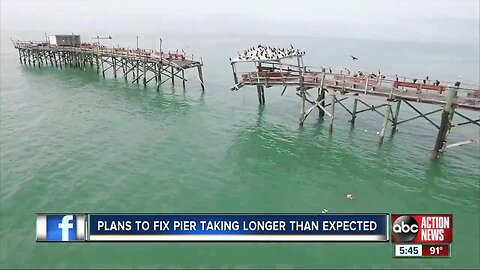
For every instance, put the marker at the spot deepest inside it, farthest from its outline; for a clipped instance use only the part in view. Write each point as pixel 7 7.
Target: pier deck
pixel 141 64
pixel 468 98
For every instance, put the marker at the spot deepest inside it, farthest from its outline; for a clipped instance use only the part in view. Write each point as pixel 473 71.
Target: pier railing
pixel 369 83
pixel 87 47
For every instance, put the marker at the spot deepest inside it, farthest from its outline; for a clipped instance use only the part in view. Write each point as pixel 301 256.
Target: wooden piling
pixel 385 121
pixel 261 98
pixel 125 69
pixel 98 65
pixel 302 110
pixel 321 97
pixel 34 62
pixel 319 93
pixel 50 58
pixel 103 70
pixel 332 112
pixel 37 60
pixel 159 78
pixel 114 62
pixel 200 76
pixel 55 59
pixel 144 73
pixel 183 78
pixel 263 95
pixel 235 79
pixel 133 71
pixel 445 122
pixel 395 118
pixel 354 111
pixel 160 70
pixel 137 78
pixel 173 76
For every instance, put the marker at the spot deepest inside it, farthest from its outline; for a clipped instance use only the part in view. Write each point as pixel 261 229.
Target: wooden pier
pixel 317 86
pixel 135 65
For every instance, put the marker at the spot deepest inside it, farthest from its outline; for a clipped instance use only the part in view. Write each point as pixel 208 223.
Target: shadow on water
pixel 260 117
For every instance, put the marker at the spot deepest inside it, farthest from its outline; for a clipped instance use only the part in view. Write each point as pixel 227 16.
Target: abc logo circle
pixel 405 228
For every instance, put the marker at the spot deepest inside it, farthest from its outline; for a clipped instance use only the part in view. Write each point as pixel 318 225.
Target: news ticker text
pixel 400 228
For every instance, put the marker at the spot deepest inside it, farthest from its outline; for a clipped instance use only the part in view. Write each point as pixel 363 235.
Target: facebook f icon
pixel 61 228
pixel 65 226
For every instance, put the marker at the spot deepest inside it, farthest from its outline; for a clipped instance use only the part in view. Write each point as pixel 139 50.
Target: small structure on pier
pixel 272 68
pixel 141 64
pixel 64 40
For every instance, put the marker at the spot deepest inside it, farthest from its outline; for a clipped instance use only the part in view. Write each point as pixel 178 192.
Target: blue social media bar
pixel 61 227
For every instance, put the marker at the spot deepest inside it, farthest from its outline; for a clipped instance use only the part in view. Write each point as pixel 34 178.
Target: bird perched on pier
pixel 353 57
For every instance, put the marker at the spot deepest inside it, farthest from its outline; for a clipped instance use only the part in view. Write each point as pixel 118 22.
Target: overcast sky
pixel 425 20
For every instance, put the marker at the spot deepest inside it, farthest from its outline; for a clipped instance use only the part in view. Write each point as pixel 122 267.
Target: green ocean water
pixel 71 141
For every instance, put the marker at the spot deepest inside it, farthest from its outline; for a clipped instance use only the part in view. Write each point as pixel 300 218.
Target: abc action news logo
pixel 422 228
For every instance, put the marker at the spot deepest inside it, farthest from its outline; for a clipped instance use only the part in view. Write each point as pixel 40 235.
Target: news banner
pixel 412 235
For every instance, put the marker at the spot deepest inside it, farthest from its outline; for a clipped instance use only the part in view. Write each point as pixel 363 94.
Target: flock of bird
pixel 266 52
